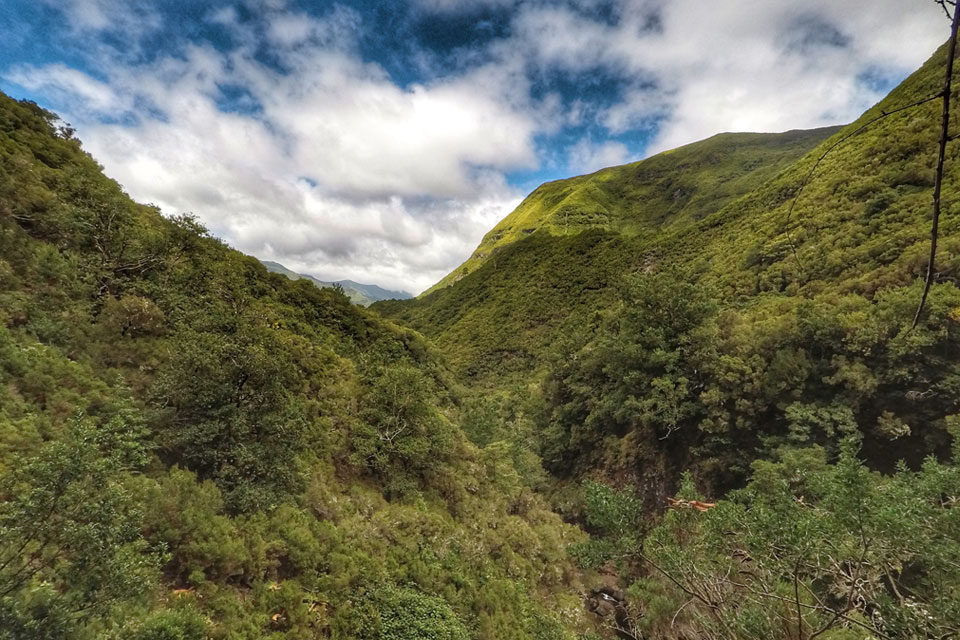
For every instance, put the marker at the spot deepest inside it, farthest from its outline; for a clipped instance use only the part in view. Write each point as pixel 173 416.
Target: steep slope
pixel 362 294
pixel 668 189
pixel 719 208
pixel 544 269
pixel 192 447
pixel 716 331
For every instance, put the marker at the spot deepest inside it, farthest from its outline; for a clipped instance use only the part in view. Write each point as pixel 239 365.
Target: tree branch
pixel 816 165
pixel 941 156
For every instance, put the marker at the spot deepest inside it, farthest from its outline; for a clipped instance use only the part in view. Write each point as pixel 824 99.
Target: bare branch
pixel 943 5
pixel 938 182
pixel 816 165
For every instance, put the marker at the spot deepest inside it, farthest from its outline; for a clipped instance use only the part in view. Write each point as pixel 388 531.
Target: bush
pixel 404 613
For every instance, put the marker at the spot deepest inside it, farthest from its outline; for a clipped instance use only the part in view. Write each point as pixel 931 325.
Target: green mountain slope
pixel 192 447
pixel 549 265
pixel 704 333
pixel 718 207
pixel 668 189
pixel 362 294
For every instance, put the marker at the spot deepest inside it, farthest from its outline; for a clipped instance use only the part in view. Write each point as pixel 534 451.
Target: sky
pixel 379 140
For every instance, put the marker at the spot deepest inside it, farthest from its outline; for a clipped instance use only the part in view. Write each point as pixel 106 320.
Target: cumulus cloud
pixel 291 144
pixel 335 170
pixel 734 65
pixel 362 136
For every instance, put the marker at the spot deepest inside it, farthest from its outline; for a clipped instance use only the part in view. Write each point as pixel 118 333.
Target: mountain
pixel 546 267
pixel 669 189
pixel 193 447
pixel 823 286
pixel 716 349
pixel 718 208
pixel 362 294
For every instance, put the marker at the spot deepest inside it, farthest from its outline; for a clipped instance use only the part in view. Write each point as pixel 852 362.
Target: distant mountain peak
pixel 359 293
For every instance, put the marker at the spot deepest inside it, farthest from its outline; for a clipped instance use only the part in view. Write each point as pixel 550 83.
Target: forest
pixel 678 399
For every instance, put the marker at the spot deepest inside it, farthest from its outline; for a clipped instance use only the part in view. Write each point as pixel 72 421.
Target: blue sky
pixel 378 141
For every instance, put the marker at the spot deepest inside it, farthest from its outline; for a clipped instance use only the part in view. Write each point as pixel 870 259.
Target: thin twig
pixel 941 156
pixel 682 607
pixel 813 169
pixel 943 5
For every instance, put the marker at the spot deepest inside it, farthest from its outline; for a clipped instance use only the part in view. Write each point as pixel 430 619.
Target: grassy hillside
pixel 192 447
pixel 546 267
pixel 668 189
pixel 823 296
pixel 362 294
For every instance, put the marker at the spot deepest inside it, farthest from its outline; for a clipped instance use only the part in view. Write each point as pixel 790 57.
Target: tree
pixel 70 544
pixel 636 374
pixel 225 408
pixel 401 436
pixel 806 550
pixel 945 137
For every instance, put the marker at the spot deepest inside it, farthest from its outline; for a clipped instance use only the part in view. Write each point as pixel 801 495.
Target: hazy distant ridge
pixel 362 294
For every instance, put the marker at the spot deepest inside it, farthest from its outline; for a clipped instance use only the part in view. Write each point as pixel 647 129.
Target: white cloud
pixel 639 108
pixel 587 157
pixel 327 165
pixel 338 172
pixel 132 17
pixel 89 94
pixel 724 65
pixel 361 135
pixel 288 29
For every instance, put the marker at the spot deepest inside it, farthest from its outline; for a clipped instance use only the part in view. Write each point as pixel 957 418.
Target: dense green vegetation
pixel 807 549
pixel 192 447
pixel 686 313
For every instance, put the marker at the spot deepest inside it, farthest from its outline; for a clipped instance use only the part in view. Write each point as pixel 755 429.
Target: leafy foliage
pixel 69 531
pixel 405 614
pixel 807 549
pixel 192 447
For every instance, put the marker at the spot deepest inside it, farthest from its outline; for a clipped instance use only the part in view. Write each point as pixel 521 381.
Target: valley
pixel 674 399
